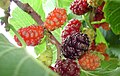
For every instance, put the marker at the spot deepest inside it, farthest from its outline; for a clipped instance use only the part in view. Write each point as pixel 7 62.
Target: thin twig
pixel 57 44
pixel 18 36
pixel 7 14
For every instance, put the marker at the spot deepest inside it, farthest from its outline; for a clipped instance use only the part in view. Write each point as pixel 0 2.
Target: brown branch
pixel 7 14
pixel 28 9
pixel 57 44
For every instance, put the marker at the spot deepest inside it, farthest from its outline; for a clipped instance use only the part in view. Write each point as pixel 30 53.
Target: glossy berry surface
pixel 75 45
pixel 73 26
pixel 79 7
pixel 89 61
pixel 55 19
pixel 67 67
pixel 32 35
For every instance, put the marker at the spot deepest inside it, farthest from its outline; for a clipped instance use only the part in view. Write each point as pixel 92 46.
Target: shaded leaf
pixel 111 37
pixel 115 49
pixel 113 41
pixel 17 62
pixel 110 65
pixel 112 14
pixel 115 72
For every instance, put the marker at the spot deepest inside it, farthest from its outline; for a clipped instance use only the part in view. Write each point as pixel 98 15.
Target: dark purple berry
pixel 67 67
pixel 75 45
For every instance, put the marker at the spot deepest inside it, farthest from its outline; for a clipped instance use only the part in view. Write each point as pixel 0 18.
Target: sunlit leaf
pixel 22 19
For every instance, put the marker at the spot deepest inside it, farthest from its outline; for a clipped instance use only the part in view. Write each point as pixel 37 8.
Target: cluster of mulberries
pixel 76 44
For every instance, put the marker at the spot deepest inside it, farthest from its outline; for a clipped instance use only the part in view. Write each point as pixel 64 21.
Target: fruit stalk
pixel 87 21
pixel 28 9
pixel 18 35
pixel 98 22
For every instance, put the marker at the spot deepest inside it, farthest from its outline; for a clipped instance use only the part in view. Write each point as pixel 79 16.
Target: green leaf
pixel 112 14
pixel 83 74
pixel 57 34
pixel 100 38
pixel 114 42
pixel 115 72
pixel 48 6
pixel 54 54
pixel 22 19
pixel 110 65
pixel 111 37
pixel 41 47
pixel 17 62
pixel 115 49
pixel 64 3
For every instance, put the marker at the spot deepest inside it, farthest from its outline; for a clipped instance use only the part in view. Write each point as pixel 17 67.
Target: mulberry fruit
pixel 72 27
pixel 32 35
pixel 79 7
pixel 67 67
pixel 89 61
pixel 55 19
pixel 75 45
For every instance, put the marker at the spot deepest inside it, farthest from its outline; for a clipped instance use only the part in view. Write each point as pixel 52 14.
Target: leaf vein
pixel 114 12
pixel 16 72
pixel 6 51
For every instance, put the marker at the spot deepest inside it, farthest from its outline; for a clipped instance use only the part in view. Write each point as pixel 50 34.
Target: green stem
pixel 18 36
pixel 87 21
pixel 98 22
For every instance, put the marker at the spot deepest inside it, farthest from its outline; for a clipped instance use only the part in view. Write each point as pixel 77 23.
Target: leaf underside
pixel 17 62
